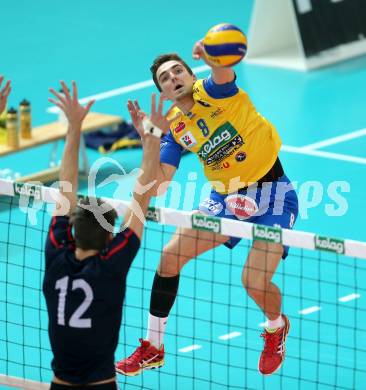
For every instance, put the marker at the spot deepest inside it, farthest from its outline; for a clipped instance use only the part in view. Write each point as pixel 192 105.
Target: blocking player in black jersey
pixel 86 265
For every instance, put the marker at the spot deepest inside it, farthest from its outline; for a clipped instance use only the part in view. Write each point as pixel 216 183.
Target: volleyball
pixel 225 45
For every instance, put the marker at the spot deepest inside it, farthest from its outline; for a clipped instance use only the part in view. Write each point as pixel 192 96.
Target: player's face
pixel 175 81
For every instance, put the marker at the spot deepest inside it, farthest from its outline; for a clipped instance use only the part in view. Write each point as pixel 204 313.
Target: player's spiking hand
pixel 220 74
pixel 198 51
pixel 4 93
pixel 74 111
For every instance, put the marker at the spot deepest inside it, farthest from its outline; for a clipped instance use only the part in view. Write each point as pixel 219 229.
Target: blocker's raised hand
pixel 74 111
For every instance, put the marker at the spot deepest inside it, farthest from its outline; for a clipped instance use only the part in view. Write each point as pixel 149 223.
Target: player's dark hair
pixel 88 232
pixel 160 60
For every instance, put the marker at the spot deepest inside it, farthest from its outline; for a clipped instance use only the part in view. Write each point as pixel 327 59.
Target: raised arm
pixel 164 172
pixel 151 169
pixel 4 93
pixel 220 75
pixel 75 114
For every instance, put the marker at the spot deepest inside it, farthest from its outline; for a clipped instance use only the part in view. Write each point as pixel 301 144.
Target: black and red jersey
pixel 84 302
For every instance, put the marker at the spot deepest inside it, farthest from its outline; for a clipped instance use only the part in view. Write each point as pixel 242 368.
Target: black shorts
pixel 104 386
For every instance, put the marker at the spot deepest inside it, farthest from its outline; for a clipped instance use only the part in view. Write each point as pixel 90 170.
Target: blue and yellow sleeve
pixel 220 91
pixel 170 151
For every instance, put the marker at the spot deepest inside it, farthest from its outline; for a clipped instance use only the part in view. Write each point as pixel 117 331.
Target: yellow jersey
pixel 233 141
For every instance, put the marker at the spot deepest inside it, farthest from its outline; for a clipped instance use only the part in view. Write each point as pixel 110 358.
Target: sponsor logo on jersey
pixel 203 103
pixel 241 206
pixel 203 222
pixel 241 156
pixel 181 126
pixel 153 214
pixel 211 207
pixel 216 113
pixel 163 144
pixel 329 244
pixel 188 140
pixel 219 138
pixel 226 151
pixel 28 190
pixel 267 233
pixel 213 143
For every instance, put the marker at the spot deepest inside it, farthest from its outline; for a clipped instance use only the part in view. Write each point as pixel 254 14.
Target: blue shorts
pixel 272 204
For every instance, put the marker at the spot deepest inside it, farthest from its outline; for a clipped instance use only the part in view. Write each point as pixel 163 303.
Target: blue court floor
pixel 109 45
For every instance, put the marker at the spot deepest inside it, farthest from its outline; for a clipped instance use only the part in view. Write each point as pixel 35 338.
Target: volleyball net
pixel 212 339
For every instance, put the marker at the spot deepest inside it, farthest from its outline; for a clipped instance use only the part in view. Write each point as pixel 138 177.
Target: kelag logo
pixel 153 214
pixel 28 190
pixel 329 244
pixel 222 135
pixel 203 222
pixel 267 233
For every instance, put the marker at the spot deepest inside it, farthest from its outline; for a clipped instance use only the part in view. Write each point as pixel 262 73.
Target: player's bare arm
pixel 165 172
pixel 75 114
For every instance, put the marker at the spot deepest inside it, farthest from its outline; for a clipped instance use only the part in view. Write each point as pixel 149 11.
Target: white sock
pixel 277 323
pixel 155 330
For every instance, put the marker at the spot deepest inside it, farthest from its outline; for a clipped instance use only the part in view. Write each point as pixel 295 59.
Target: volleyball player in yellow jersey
pixel 238 148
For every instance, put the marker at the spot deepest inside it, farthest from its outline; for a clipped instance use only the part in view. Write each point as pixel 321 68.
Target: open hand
pixel 137 116
pixel 74 111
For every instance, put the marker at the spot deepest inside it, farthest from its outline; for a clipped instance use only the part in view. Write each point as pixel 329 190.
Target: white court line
pixel 322 154
pixel 190 348
pixel 349 297
pixel 310 310
pixel 229 335
pixel 335 140
pixel 123 90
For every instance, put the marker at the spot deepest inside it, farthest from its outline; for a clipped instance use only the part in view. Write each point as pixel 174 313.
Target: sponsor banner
pixel 203 222
pixel 29 190
pixel 153 214
pixel 267 233
pixel 329 244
